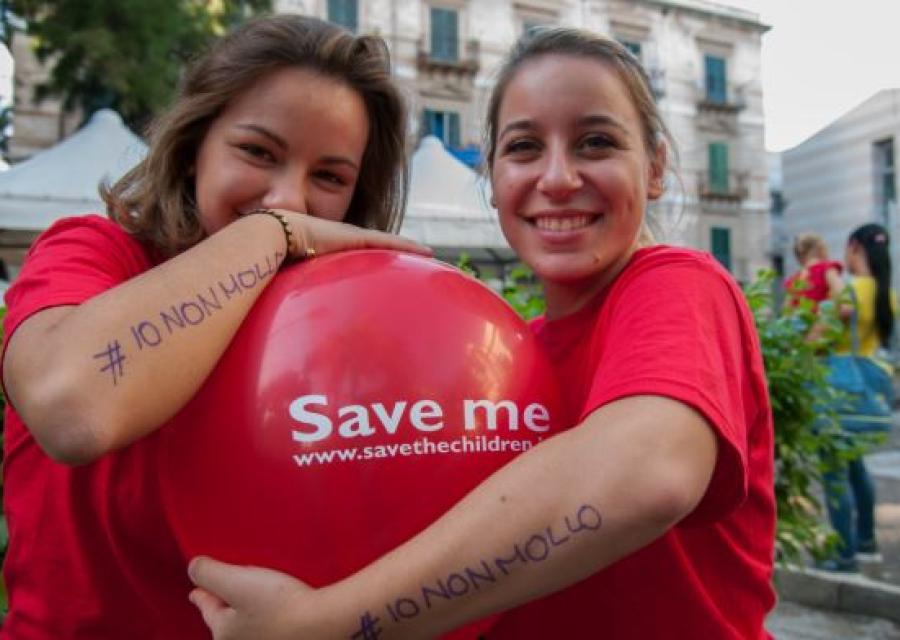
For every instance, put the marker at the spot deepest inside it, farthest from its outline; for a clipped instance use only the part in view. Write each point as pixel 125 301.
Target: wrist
pixel 365 608
pixel 298 246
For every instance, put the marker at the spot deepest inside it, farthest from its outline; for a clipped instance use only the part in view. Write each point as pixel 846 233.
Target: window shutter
pixel 444 34
pixel 716 86
pixel 344 13
pixel 434 124
pixel 454 131
pixel 721 245
pixel 718 167
pixel 633 47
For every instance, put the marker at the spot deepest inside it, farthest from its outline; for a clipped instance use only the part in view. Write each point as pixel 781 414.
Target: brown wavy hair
pixel 155 201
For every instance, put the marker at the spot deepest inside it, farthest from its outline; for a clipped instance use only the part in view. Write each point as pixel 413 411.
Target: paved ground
pixel 792 621
pixel 885 468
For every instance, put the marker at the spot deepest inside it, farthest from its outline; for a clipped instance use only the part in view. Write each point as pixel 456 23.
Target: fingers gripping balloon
pixel 364 395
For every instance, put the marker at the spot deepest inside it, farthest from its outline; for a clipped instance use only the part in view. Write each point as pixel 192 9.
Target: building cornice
pixel 706 9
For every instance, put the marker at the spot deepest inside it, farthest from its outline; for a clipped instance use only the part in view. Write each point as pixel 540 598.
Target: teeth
pixel 562 223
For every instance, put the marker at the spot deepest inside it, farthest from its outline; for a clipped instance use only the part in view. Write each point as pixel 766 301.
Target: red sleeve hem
pixel 730 474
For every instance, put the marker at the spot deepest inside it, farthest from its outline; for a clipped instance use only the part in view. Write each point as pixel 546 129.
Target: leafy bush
pixel 523 293
pixel 808 439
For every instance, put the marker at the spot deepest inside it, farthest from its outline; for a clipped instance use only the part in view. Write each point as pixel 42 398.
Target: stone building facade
pixel 703 59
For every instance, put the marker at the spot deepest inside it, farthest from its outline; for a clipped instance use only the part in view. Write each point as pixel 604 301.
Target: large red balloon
pixel 365 393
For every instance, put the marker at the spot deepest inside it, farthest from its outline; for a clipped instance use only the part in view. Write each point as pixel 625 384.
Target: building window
pixel 716 79
pixel 344 13
pixel 444 34
pixel 633 47
pixel 720 240
pixel 777 203
pixel 529 25
pixel 778 266
pixel 443 125
pixel 885 180
pixel 718 167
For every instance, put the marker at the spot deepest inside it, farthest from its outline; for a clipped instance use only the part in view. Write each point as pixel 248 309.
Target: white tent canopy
pixel 447 207
pixel 448 203
pixel 63 180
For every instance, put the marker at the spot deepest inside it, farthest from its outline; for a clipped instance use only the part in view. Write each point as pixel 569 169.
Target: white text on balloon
pixel 424 415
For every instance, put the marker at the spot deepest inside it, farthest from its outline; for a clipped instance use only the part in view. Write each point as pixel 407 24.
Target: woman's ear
pixel 656 183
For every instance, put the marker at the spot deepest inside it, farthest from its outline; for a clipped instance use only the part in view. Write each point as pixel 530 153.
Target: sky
pixel 820 59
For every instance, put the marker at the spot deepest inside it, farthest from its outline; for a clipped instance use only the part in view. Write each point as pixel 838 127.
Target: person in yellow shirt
pixel 850 492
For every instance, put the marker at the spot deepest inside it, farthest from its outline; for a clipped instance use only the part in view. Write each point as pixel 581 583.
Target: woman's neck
pixel 565 298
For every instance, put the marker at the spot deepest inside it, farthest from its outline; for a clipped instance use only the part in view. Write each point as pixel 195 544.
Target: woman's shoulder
pixel 86 225
pixel 665 280
pixel 84 245
pixel 670 263
pixel 89 233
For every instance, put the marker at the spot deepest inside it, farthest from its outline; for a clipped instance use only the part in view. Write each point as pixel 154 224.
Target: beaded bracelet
pixel 308 251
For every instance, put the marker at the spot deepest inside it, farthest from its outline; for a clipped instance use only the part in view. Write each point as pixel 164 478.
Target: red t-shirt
pixel 816 285
pixel 673 324
pixel 90 555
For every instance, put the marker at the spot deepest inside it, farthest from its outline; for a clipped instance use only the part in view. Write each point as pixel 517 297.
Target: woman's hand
pixel 325 236
pixel 247 603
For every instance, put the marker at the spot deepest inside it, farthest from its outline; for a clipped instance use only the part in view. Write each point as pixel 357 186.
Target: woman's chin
pixel 566 274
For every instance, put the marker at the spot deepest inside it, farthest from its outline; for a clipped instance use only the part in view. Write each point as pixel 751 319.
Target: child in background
pixel 819 278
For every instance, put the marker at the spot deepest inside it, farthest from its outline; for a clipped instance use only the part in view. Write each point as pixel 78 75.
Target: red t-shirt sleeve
pixel 74 260
pixel 678 330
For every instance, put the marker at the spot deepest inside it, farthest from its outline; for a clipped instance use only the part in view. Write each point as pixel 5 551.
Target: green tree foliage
pixel 123 54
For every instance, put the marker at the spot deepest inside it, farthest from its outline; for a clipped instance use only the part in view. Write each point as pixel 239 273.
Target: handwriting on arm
pixel 193 311
pixel 469 579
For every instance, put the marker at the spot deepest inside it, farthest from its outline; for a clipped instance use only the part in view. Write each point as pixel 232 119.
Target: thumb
pixel 229 582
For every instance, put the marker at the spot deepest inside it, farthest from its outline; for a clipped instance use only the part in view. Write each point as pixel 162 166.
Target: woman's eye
pixel 594 142
pixel 519 146
pixel 256 151
pixel 332 178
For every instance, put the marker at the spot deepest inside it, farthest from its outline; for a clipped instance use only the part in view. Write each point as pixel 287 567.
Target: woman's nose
pixel 287 192
pixel 560 176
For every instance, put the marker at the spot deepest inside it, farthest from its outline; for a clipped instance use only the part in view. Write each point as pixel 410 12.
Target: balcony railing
pixel 734 190
pixel 734 101
pixel 466 64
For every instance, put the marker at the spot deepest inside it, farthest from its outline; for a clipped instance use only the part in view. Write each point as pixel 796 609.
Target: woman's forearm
pixel 552 517
pixel 93 378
